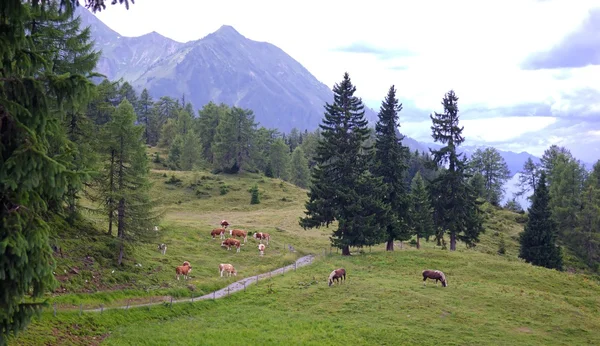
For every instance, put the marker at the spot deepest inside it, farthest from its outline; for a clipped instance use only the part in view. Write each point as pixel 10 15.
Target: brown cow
pixel 435 275
pixel 226 267
pixel 261 235
pixel 239 233
pixel 229 242
pixel 218 231
pixel 184 270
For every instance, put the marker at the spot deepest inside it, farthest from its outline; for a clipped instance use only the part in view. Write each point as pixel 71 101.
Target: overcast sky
pixel 527 72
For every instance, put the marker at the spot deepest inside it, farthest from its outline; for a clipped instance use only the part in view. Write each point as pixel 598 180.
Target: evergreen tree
pixel 538 240
pixel 391 165
pixel 191 150
pixel 310 143
pixel 279 159
pixel 30 173
pixel 144 113
pixel 299 172
pixel 587 233
pixel 568 176
pixel 342 188
pixel 168 133
pixel 255 196
pixel 455 200
pixel 206 127
pixel 128 169
pixel 233 140
pixel 528 178
pixel 420 218
pixel 494 170
pixel 261 149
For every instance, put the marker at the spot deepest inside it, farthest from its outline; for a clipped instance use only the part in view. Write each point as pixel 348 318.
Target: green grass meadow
pixel 491 299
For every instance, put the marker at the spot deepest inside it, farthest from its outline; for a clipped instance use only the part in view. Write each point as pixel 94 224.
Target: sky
pixel 527 72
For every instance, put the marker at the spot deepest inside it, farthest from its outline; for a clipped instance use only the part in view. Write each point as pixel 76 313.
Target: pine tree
pixel 191 151
pixel 455 202
pixel 494 170
pixel 342 188
pixel 538 240
pixel 528 178
pixel 206 126
pixel 587 233
pixel 128 171
pixel 31 172
pixel 300 174
pixel 279 159
pixel 420 218
pixel 391 164
pixel 254 195
pixel 144 113
pixel 233 140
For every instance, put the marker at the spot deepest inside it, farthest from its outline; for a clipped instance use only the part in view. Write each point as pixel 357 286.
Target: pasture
pixel 491 299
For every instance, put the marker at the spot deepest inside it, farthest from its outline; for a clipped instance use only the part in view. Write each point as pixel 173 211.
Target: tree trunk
pixel 121 253
pixel 346 251
pixel 390 245
pixel 112 190
pixel 452 241
pixel 418 242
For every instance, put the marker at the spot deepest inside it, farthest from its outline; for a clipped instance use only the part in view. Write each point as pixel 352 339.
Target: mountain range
pixel 227 67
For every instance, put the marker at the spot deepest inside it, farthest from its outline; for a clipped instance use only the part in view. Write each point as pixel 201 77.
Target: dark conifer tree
pixel 343 189
pixel 538 240
pixel 455 202
pixel 391 164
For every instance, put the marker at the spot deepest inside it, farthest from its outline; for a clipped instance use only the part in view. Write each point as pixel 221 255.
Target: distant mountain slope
pixel 126 57
pixel 223 67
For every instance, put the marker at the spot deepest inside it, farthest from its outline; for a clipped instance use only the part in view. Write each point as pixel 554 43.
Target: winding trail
pixel 225 291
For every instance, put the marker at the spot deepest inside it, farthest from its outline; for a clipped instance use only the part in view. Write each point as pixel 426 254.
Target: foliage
pixel 528 177
pixel 299 171
pixel 279 159
pixel 233 140
pixel 342 187
pixel 391 165
pixel 255 196
pixel 455 202
pixel 538 240
pixel 420 217
pixel 494 171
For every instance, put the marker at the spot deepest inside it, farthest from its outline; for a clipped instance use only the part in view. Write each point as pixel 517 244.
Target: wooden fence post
pixel 80 309
pixel 244 286
pixel 127 308
pixel 171 302
pixel 295 265
pixel 101 308
pixel 228 291
pixel 214 295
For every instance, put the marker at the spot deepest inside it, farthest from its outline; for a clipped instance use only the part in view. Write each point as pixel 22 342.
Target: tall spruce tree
pixel 587 233
pixel 30 174
pixel 144 114
pixel 455 200
pixel 343 189
pixel 538 240
pixel 421 213
pixel 391 164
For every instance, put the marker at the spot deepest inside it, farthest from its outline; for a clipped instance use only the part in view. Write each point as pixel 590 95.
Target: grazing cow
pixel 337 275
pixel 229 242
pixel 163 248
pixel 155 228
pixel 261 235
pixel 218 231
pixel 224 223
pixel 261 249
pixel 226 267
pixel 239 233
pixel 184 270
pixel 435 275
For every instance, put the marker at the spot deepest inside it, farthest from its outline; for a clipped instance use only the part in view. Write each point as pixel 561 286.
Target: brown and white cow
pixel 226 267
pixel 239 233
pixel 224 223
pixel 184 270
pixel 218 231
pixel 162 248
pixel 261 249
pixel 229 242
pixel 261 235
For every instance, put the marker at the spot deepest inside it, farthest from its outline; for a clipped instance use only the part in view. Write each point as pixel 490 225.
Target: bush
pixel 255 199
pixel 224 189
pixel 501 246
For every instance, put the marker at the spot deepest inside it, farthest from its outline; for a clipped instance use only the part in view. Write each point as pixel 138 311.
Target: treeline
pixel 573 201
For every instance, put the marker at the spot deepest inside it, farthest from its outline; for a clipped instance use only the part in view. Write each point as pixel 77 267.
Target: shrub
pixel 255 199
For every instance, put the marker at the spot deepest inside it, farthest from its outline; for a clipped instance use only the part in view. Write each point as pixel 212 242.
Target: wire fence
pixel 168 301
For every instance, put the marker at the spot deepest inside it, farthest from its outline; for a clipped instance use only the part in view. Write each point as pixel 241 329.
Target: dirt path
pixel 232 288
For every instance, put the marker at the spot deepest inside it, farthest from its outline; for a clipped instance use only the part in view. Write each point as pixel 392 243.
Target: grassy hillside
pixel 492 299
